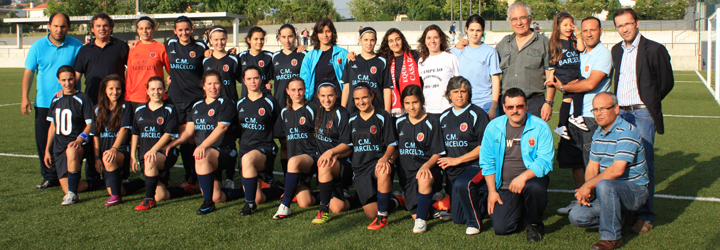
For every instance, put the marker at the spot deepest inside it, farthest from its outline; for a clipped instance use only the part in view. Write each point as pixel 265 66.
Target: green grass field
pixel 686 161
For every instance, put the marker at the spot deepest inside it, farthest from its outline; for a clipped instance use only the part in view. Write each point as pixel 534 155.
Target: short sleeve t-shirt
pixel 151 125
pixel 257 119
pixel 71 114
pixel 600 59
pixel 263 61
pixel 417 143
pixel 435 72
pixel 333 129
pixel 186 69
pixel 478 65
pixel 299 127
pixel 324 70
pixel 97 63
pixel 286 67
pixel 372 72
pixel 227 66
pixel 144 62
pixel 568 68
pixel 46 58
pixel 108 135
pixel 463 131
pixel 207 116
pixel 513 165
pixel 370 139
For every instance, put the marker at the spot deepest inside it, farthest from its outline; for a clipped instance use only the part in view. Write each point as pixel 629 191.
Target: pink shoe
pixel 114 200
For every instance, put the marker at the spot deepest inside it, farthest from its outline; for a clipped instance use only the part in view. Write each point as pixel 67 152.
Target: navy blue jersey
pixel 285 67
pixel 257 121
pixel 186 69
pixel 108 135
pixel 567 68
pixel 373 72
pixel 463 132
pixel 151 125
pixel 262 60
pixel 227 66
pixel 299 127
pixel 332 129
pixel 325 71
pixel 370 138
pixel 417 143
pixel 71 114
pixel 207 116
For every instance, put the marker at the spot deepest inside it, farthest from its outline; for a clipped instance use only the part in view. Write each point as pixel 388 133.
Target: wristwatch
pixel 550 102
pixel 561 89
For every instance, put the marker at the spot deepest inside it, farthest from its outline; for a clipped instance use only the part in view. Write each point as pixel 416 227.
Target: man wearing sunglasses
pixel 616 177
pixel 643 78
pixel 516 156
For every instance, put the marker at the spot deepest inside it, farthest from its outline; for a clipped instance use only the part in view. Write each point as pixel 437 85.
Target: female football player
pixel 436 67
pixel 145 60
pixel 367 68
pixel 325 63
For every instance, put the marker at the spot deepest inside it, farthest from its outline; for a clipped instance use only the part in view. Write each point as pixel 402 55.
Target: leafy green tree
pixel 583 8
pixel 425 10
pixel 364 10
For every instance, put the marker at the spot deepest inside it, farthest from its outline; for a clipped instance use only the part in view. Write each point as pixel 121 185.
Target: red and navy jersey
pixel 333 129
pixel 285 67
pixel 186 69
pixel 108 135
pixel 227 66
pixel 257 121
pixel 206 118
pixel 299 128
pixel 151 125
pixel 370 138
pixel 463 131
pixel 417 143
pixel 263 60
pixel 71 114
pixel 372 72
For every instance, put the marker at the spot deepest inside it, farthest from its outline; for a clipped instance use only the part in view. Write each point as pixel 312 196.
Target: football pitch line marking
pixel 9 104
pixel 667 196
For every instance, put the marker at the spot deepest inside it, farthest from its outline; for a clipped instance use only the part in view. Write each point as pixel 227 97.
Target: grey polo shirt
pixel 523 68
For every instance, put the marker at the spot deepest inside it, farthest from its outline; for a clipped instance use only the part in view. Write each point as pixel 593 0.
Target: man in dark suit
pixel 644 77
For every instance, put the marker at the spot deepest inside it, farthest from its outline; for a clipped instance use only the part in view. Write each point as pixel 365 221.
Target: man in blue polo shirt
pixel 46 56
pixel 616 177
pixel 596 68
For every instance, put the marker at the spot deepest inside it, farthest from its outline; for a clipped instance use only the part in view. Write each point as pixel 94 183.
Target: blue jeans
pixel 643 121
pixel 605 212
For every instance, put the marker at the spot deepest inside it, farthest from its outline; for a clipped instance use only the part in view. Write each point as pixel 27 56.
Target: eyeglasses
pixel 524 18
pixel 520 106
pixel 626 25
pixel 601 109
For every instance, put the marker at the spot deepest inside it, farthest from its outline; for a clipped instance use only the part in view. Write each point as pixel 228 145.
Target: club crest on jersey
pixel 373 129
pixel 192 54
pixel 373 70
pixel 261 111
pixel 531 142
pixel 293 62
pixel 420 136
pixel 302 120
pixel 261 63
pixel 160 120
pixel 211 112
pixel 329 124
pixel 339 60
pixel 226 68
pixel 463 127
pixel 587 68
pixel 153 54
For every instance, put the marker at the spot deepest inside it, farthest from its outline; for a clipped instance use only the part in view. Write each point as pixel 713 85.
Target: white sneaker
pixel 562 131
pixel 566 210
pixel 69 199
pixel 420 226
pixel 283 211
pixel 579 122
pixel 472 231
pixel 229 184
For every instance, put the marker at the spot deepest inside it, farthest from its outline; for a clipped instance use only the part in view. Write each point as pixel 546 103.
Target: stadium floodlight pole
pixel 460 19
pixel 137 7
pixel 480 7
pixel 452 14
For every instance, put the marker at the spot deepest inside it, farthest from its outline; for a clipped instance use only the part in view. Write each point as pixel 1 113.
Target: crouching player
pixel 70 120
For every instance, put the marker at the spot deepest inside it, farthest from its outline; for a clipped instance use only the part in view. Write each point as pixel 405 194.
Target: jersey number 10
pixel 63 121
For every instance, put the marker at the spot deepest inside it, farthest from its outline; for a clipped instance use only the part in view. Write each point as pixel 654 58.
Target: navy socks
pixel 250 185
pixel 206 184
pixel 424 201
pixel 150 186
pixel 291 183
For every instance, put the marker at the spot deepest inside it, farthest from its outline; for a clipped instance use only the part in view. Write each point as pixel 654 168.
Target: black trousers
pixel 42 125
pixel 526 207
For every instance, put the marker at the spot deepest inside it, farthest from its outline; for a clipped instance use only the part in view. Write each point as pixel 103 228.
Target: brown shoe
pixel 641 227
pixel 607 244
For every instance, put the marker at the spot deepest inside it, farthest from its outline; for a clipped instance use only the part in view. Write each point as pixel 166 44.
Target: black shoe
pixel 45 184
pixel 278 184
pixel 206 208
pixel 248 209
pixel 534 233
pixel 270 179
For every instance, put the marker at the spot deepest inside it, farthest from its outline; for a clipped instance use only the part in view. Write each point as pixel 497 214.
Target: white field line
pixel 705 82
pixel 9 104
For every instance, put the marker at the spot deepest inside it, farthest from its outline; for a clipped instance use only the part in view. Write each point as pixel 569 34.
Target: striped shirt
pixel 627 92
pixel 621 143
